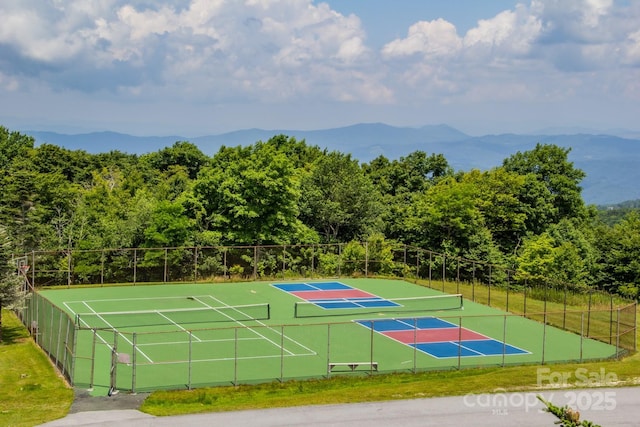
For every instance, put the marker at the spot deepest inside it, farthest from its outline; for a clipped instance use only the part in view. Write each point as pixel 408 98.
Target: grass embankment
pixel 31 391
pixel 351 389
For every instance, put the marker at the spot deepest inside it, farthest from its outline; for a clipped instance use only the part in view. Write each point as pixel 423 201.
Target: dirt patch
pixel 83 401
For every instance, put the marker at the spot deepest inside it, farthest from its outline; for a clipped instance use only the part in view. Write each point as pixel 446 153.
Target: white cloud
pixel 254 52
pixel 431 39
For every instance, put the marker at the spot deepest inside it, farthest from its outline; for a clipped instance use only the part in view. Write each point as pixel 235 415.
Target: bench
pixel 371 366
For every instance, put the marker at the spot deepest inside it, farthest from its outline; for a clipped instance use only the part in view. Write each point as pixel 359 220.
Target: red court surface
pixel 337 294
pixel 434 335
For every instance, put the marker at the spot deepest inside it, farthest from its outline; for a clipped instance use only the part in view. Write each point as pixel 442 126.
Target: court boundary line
pixel 458 343
pixel 119 333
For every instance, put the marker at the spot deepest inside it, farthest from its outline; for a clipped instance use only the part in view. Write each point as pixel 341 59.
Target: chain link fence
pixel 80 354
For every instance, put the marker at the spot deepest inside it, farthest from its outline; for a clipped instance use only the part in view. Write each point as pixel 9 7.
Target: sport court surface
pixel 189 335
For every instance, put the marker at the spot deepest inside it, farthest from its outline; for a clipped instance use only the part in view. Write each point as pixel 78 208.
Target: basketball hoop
pixel 24 269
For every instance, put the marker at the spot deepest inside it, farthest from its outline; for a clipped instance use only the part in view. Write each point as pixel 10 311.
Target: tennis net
pixel 172 317
pixel 349 306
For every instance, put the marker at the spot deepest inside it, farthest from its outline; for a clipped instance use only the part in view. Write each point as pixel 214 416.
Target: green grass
pixel 346 389
pixel 31 392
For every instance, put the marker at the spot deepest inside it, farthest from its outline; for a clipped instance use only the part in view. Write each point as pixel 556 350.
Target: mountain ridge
pixel 610 162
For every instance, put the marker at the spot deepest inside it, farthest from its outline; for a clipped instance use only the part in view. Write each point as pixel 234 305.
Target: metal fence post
pixel 618 352
pixel 504 339
pixel 281 353
pixel 489 292
pixel 581 334
pixel 166 264
pixel 113 386
pixel 544 336
pixel 135 266
pixel 415 345
pixel 235 356
pixel 134 350
pixel 459 343
pixel 93 358
pixel 366 259
pixel 328 349
pixel 189 361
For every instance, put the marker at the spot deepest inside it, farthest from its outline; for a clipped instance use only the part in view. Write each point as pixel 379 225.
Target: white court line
pixel 240 323
pixel 221 359
pixel 177 324
pixel 149 344
pixel 112 327
pixel 133 299
pixel 272 329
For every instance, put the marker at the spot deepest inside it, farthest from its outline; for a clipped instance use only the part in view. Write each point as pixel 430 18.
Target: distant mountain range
pixel 612 163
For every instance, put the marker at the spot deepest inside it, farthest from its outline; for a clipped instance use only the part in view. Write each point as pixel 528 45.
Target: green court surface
pixel 140 338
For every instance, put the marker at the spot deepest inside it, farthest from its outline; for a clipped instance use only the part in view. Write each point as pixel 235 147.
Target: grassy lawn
pixel 31 392
pixel 369 389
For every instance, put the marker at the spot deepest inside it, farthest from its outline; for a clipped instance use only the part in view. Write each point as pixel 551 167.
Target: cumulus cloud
pixel 295 51
pixel 254 46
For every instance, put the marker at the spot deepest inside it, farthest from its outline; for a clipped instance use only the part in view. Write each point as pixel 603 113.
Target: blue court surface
pixel 334 295
pixel 440 339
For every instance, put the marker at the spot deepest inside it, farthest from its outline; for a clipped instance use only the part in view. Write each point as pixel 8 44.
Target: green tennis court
pixel 140 338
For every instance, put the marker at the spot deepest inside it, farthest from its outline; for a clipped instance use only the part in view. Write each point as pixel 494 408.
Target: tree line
pixel 527 214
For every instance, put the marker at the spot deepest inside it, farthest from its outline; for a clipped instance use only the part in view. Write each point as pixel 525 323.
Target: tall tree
pixel 339 200
pixel 250 196
pixel 551 167
pixel 10 283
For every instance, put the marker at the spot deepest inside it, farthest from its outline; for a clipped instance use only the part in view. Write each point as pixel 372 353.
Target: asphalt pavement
pixel 608 407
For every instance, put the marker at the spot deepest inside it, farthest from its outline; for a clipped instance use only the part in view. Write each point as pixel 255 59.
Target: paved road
pixel 609 407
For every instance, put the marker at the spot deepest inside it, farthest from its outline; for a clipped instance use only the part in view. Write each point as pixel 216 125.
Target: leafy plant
pixel 567 416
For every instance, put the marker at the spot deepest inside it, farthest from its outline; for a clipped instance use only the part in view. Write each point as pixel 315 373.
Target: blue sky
pixel 196 67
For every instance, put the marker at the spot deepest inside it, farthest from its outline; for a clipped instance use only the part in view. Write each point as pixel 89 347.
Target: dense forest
pixel 527 214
